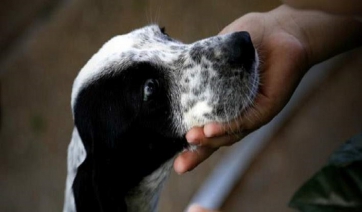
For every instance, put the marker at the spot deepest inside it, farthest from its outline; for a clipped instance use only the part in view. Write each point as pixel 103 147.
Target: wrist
pixel 322 35
pixel 345 7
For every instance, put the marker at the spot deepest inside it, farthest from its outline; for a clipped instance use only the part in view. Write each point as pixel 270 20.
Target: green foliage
pixel 337 186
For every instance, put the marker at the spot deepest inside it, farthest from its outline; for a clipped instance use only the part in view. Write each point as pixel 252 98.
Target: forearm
pixel 343 7
pixel 323 35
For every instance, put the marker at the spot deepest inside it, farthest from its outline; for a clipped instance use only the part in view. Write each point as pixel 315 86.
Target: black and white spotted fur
pixel 133 103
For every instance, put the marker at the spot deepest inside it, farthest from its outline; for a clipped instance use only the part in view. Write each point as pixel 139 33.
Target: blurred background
pixel 43 45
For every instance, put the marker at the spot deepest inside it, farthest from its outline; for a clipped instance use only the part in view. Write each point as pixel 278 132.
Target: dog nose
pixel 241 51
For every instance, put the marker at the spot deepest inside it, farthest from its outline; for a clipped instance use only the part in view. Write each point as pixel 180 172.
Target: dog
pixel 134 101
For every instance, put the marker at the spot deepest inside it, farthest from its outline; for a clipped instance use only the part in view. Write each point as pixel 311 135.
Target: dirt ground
pixel 44 45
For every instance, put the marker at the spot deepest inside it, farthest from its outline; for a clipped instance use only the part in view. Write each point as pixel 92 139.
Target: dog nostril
pixel 241 51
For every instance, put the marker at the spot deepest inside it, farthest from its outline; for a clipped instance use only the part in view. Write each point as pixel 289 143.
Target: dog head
pixel 133 103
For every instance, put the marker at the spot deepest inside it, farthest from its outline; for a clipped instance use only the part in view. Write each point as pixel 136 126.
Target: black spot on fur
pixel 196 53
pixel 190 104
pixel 218 67
pixel 208 116
pixel 185 89
pixel 205 75
pixel 197 91
pixel 189 66
pixel 180 61
pixel 175 47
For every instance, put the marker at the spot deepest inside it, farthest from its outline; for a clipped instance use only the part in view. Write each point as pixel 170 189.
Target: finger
pixel 219 141
pixel 215 136
pixel 195 135
pixel 219 129
pixel 197 208
pixel 189 159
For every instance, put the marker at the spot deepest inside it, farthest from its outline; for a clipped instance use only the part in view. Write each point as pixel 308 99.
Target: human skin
pixel 289 42
pixel 197 208
pixel 341 7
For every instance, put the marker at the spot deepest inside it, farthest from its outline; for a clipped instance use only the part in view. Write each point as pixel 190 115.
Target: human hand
pixel 281 46
pixel 197 208
pixel 288 42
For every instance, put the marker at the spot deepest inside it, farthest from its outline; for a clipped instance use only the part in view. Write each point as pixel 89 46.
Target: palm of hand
pixel 283 60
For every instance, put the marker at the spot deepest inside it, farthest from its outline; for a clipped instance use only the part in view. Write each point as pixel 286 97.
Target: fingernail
pixel 193 208
pixel 191 139
pixel 179 172
pixel 182 171
pixel 194 142
pixel 209 130
pixel 196 208
pixel 179 166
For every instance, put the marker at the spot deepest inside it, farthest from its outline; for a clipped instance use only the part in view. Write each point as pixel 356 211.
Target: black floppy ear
pixel 101 112
pixel 125 136
pixel 102 118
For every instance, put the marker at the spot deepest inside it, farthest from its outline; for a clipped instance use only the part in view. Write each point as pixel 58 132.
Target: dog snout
pixel 240 50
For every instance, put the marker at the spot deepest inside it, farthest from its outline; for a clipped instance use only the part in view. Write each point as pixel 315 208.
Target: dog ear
pixel 101 117
pixel 126 137
pixel 98 116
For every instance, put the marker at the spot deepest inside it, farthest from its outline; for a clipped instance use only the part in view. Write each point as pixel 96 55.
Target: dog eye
pixel 150 89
